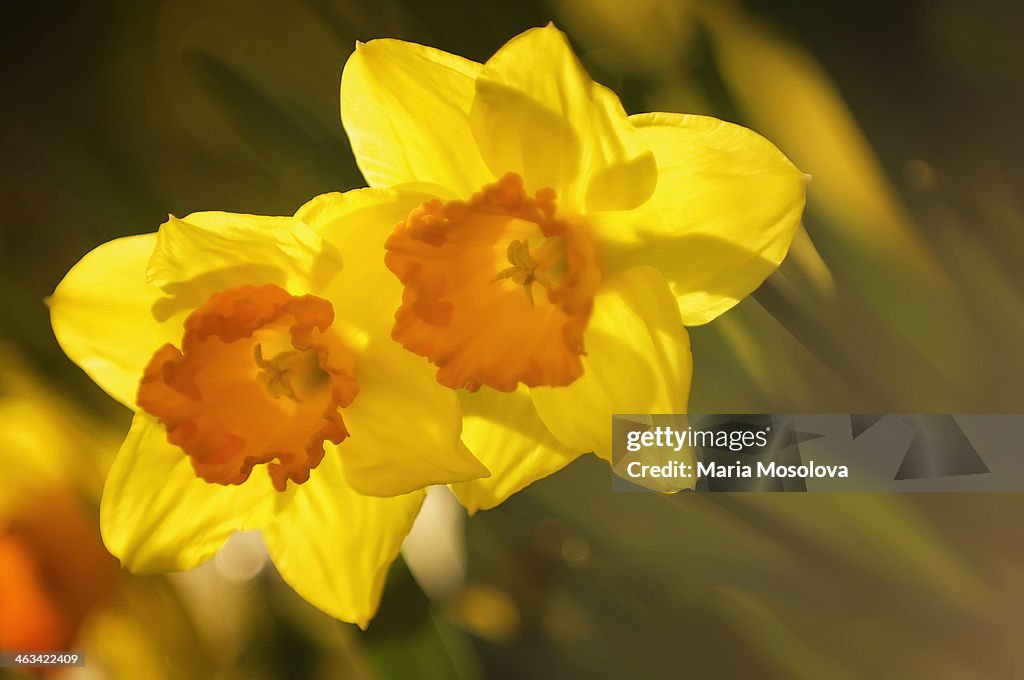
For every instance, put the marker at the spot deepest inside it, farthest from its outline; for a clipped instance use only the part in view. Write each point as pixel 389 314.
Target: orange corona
pixel 260 378
pixel 29 617
pixel 45 596
pixel 498 289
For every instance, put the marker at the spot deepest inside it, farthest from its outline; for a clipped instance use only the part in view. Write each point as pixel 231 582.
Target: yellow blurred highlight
pixel 45 440
pixel 792 100
pixel 805 255
pixel 487 612
pixel 649 35
pixel 122 645
pixel 145 633
pixel 883 256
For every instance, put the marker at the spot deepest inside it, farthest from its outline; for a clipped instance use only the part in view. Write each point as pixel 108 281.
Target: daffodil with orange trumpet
pixel 268 395
pixel 559 245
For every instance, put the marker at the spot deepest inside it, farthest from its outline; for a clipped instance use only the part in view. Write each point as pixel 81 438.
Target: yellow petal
pixel 156 515
pixel 356 224
pixel 638 361
pixel 788 94
pixel 211 251
pixel 33 451
pixel 334 546
pixel 44 439
pixel 405 109
pixel 887 260
pixel 538 113
pixel 102 315
pixel 404 426
pixel 721 218
pixel 506 434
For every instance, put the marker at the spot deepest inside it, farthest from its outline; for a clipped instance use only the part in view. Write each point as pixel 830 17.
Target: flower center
pixel 289 370
pixel 260 378
pixel 498 290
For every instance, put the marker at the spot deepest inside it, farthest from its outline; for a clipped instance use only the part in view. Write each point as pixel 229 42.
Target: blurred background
pixel 903 293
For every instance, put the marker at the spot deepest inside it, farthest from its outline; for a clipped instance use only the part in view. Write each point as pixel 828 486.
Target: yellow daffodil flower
pixel 563 244
pixel 267 395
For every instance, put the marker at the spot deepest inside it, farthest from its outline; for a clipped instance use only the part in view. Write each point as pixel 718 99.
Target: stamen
pixel 523 269
pixel 276 375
